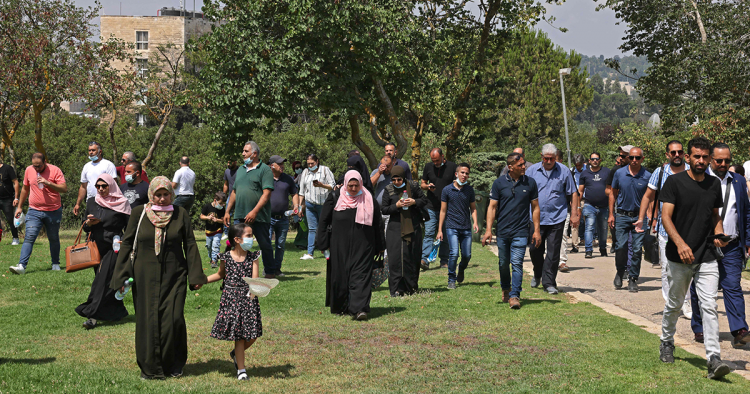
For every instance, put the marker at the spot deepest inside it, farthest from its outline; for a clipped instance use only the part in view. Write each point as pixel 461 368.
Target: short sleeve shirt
pixel 652 184
pixel 458 213
pixel 229 176
pixel 595 187
pixel 282 189
pixel 248 188
pixel 185 180
pixel 91 172
pixel 440 177
pixel 513 203
pixel 379 187
pixel 405 166
pixel 44 199
pixel 612 174
pixel 554 186
pixel 136 194
pixel 631 188
pixel 209 210
pixel 693 211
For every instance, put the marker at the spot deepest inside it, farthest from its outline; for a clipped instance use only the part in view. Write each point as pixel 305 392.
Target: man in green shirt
pixel 250 199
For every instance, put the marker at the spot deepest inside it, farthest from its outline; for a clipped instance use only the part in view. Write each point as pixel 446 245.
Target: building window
pixel 140 119
pixel 141 40
pixel 142 67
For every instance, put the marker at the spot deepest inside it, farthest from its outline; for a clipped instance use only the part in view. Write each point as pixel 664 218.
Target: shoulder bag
pixel 81 255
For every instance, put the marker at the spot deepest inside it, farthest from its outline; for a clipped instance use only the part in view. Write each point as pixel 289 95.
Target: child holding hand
pixel 238 318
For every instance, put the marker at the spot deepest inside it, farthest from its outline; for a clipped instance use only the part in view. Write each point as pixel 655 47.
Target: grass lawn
pixel 435 341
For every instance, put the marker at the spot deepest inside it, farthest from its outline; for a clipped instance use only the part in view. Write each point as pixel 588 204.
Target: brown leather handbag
pixel 81 256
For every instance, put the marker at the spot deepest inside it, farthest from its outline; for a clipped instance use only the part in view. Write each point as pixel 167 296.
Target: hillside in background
pixel 596 65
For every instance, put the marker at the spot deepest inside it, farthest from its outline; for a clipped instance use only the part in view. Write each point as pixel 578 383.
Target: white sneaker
pixel 687 310
pixel 15 242
pixel 18 269
pixel 224 237
pixel 280 275
pixel 306 257
pixel 55 267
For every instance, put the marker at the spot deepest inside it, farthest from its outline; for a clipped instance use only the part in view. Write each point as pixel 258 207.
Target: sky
pixel 589 32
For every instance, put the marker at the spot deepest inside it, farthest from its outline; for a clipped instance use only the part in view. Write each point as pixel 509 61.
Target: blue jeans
pixel 596 223
pixel 213 244
pixel 186 201
pixel 430 231
pixel 35 220
pixel 455 239
pixel 624 227
pixel 279 227
pixel 313 215
pixel 262 235
pixel 511 250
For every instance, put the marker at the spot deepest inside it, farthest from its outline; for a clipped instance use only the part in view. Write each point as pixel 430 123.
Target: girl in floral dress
pixel 238 318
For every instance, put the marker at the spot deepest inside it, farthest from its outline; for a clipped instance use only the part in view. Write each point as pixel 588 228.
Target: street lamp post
pixel 565 71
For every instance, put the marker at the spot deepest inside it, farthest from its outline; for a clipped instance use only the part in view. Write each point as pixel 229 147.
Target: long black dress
pixel 159 290
pixel 102 304
pixel 404 255
pixel 352 247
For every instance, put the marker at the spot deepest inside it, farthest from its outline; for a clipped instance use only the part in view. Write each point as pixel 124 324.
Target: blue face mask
pixel 219 206
pixel 93 158
pixel 313 168
pixel 298 171
pixel 248 161
pixel 461 183
pixel 129 178
pixel 400 187
pixel 358 194
pixel 247 244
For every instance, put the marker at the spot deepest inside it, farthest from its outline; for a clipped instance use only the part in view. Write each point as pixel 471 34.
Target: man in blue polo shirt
pixel 629 184
pixel 511 196
pixel 556 193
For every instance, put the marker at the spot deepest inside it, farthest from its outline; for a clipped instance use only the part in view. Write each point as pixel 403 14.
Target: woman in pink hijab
pixel 351 228
pixel 107 215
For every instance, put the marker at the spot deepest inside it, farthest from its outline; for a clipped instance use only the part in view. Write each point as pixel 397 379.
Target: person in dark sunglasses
pixel 628 187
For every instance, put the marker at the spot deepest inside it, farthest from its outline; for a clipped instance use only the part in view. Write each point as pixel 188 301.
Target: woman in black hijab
pixel 358 164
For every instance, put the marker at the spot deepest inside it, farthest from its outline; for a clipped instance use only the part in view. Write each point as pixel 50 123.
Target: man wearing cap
pixel 283 187
pixel 628 187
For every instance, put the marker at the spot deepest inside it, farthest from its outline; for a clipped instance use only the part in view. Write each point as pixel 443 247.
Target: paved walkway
pixel 590 280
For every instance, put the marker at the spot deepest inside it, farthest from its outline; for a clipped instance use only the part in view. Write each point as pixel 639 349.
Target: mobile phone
pixel 720 237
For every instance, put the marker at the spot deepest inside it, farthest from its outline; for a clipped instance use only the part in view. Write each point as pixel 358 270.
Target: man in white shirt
pixel 96 166
pixel 182 183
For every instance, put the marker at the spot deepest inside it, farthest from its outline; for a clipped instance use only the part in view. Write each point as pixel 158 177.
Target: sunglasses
pixel 677 152
pixel 635 157
pixel 722 161
pixel 595 159
pixel 549 158
pixel 623 156
pixel 100 186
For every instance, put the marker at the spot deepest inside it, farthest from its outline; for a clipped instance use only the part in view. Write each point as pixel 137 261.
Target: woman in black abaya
pixel 356 236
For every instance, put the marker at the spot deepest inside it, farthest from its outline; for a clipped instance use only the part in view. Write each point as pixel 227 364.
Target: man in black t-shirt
pixel 593 188
pixel 9 198
pixel 690 215
pixel 213 214
pixel 135 189
pixel 436 175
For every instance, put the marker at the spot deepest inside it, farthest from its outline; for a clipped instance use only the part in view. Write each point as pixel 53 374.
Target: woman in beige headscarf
pixel 166 258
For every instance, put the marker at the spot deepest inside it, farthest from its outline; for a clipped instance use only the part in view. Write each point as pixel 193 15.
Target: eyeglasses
pixel 122 160
pixel 104 186
pixel 635 157
pixel 722 161
pixel 677 152
pixel 594 159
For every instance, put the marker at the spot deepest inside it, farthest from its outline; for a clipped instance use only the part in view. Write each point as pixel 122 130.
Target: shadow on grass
pixel 308 273
pixel 227 368
pixel 376 312
pixel 531 301
pixel 29 361
pixel 125 320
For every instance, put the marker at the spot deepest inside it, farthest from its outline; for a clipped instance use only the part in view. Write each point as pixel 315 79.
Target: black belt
pixel 278 217
pixel 632 214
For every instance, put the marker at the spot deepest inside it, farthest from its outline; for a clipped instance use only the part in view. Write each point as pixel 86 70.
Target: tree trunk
pixel 359 143
pixel 374 129
pixel 699 20
pixel 392 118
pixel 112 136
pixel 416 146
pixel 154 144
pixel 38 143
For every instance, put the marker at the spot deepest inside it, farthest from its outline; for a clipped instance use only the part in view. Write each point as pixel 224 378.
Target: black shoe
pixel 89 324
pixel 717 368
pixel 361 316
pixel 698 337
pixel 612 250
pixel 451 285
pixel 234 359
pixel 176 374
pixel 574 250
pixel 460 276
pixel 603 252
pixel 666 352
pixel 618 280
pixel 589 255
pixel 633 285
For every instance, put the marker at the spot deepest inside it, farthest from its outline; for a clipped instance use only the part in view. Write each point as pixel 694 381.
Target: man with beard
pixel 675 155
pixel 735 217
pixel 592 186
pixel 628 187
pixel 691 200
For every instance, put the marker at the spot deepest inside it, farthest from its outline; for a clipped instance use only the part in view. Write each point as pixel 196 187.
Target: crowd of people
pixel 696 204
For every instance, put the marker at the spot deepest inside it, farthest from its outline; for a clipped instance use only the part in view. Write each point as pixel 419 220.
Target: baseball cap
pixel 626 148
pixel 276 159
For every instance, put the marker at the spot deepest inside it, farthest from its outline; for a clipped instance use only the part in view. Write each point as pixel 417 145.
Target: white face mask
pixel 219 206
pixel 247 244
pixel 461 183
pixel 129 178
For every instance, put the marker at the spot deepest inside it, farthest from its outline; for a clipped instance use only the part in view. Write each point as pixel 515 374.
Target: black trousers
pixel 545 267
pixel 6 204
